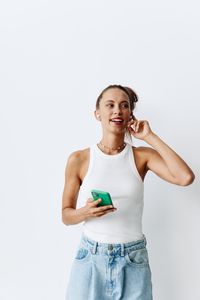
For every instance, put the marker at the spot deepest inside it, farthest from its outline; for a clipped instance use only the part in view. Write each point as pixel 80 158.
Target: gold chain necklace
pixel 114 149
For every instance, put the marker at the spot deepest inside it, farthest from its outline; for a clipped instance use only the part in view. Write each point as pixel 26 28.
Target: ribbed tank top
pixel 118 175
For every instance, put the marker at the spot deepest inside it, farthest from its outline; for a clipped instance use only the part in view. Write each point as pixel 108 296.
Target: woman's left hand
pixel 140 129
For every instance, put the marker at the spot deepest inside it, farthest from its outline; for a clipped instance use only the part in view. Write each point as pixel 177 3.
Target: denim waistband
pixel 106 248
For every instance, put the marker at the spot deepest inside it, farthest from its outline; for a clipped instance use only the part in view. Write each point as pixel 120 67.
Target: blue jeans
pixel 103 271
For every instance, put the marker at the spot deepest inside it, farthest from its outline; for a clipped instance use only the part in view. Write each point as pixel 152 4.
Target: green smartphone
pixel 105 197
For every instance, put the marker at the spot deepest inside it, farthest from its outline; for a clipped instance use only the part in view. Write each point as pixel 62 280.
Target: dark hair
pixel 133 98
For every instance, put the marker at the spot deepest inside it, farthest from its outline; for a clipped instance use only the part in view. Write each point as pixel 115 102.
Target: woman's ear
pixel 97 115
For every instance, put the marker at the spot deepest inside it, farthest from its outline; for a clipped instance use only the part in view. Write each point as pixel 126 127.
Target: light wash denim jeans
pixel 103 271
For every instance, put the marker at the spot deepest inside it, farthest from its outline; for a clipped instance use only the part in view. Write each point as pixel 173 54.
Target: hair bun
pixel 132 94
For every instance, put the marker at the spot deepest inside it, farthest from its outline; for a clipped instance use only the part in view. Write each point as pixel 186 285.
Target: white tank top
pixel 118 175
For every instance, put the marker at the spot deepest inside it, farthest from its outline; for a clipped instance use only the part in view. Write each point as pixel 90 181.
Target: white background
pixel 56 57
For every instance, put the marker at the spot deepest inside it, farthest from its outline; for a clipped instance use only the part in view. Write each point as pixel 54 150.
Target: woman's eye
pixel 126 105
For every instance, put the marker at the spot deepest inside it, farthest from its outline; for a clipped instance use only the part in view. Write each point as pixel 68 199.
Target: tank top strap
pixel 133 162
pixel 91 162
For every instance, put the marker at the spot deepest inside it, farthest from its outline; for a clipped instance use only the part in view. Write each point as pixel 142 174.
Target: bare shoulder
pixel 141 149
pixel 73 178
pixel 144 156
pixel 148 154
pixel 77 157
pixel 144 153
pixel 77 160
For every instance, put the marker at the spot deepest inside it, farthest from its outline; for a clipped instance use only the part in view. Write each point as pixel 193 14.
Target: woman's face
pixel 114 110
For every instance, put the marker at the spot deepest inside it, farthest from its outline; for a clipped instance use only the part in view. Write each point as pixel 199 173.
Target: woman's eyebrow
pixel 114 101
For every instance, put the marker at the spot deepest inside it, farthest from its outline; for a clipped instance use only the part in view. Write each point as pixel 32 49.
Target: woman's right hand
pixel 92 210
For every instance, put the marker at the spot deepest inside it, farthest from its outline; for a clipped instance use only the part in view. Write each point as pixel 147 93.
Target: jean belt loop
pixel 122 249
pixel 94 249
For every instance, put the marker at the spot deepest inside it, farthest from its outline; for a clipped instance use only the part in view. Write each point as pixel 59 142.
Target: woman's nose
pixel 117 110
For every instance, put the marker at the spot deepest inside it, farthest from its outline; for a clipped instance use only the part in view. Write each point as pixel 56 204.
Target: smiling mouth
pixel 117 121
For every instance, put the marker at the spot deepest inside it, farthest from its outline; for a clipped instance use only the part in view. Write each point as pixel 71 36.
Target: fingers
pixel 105 207
pixel 134 125
pixel 137 126
pixel 132 122
pixel 101 208
pixel 89 200
pixel 101 213
pixel 93 202
pixel 97 211
pixel 96 202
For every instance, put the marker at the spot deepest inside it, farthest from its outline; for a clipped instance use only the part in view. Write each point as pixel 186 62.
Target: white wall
pixel 56 57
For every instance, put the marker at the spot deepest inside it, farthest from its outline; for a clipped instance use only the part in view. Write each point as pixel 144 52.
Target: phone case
pixel 105 196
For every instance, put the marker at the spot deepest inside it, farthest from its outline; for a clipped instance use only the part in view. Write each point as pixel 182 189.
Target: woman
pixel 111 261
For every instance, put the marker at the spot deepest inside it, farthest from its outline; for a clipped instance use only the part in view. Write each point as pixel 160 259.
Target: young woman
pixel 111 261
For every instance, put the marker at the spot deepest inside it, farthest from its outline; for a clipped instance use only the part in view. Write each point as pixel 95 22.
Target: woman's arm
pixel 71 215
pixel 162 160
pixel 166 163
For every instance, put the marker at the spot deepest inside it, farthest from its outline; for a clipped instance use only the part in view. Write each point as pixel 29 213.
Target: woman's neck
pixel 112 144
